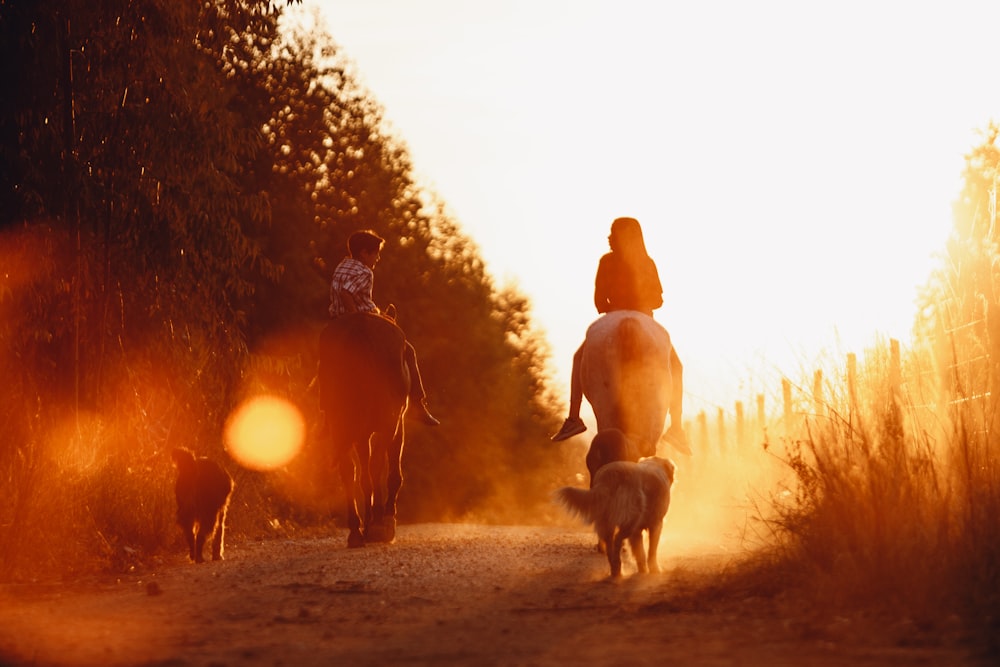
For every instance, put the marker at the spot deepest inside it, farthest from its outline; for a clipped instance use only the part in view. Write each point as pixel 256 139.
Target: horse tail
pixel 579 502
pixel 630 341
pixel 608 446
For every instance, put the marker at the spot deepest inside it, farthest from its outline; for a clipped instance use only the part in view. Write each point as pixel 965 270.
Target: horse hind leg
pixel 387 479
pixel 367 487
pixel 394 479
pixel 348 476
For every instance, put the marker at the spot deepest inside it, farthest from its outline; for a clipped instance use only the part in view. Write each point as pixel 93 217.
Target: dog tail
pixel 578 501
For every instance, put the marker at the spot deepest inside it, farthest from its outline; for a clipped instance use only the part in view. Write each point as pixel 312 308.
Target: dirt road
pixel 440 595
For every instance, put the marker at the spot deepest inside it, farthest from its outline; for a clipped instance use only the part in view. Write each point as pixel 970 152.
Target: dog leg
pixel 199 543
pixel 654 542
pixel 635 541
pixel 615 554
pixel 188 529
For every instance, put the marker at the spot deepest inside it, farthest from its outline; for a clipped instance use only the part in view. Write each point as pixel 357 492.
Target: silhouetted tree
pixel 336 168
pixel 123 233
pixel 179 181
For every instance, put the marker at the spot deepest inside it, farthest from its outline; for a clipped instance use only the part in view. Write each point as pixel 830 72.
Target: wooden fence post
pixel 761 419
pixel 703 433
pixel 740 430
pixel 722 432
pixel 818 393
pixel 786 394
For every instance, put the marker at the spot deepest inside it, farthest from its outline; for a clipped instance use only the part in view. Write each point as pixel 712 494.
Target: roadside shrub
pixel 894 507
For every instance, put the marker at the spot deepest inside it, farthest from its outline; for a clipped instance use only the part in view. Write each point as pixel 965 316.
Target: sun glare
pixel 804 221
pixel 264 433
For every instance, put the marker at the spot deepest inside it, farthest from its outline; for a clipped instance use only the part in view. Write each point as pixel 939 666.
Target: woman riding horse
pixel 627 279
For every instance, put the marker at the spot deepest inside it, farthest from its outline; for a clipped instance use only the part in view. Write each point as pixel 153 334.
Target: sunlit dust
pixel 75 445
pixel 264 433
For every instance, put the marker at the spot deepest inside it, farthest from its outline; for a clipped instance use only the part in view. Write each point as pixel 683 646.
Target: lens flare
pixel 264 433
pixel 78 444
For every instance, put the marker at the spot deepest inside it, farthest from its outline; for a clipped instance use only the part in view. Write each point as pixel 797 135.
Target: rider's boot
pixel 676 436
pixel 572 426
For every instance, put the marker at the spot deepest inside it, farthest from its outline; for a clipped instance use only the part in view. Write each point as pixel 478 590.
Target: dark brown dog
pixel 203 490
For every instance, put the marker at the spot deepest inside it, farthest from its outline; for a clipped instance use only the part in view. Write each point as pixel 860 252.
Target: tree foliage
pixel 179 181
pixel 960 315
pixel 338 168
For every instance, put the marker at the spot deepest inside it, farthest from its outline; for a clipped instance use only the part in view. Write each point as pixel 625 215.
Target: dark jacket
pixel 620 286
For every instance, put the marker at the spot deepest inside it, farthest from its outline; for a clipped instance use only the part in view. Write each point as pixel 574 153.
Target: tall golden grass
pixel 895 503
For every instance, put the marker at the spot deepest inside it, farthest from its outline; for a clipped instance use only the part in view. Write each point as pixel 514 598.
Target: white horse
pixel 626 376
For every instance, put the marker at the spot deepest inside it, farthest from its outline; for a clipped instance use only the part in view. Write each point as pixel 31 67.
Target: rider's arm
pixel 653 289
pixel 361 290
pixel 602 287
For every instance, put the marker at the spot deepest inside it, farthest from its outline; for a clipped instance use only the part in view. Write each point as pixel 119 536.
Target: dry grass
pixel 894 507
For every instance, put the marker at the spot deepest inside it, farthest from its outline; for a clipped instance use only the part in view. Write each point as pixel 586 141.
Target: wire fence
pixel 934 391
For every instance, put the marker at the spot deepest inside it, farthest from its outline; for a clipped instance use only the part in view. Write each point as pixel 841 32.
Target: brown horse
pixel 364 384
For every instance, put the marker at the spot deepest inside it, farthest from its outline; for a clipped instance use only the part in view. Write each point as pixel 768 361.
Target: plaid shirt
pixel 352 280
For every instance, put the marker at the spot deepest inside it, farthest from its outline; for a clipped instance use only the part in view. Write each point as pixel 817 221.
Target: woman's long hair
pixel 626 239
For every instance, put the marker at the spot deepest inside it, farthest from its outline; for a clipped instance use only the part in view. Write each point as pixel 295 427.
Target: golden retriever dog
pixel 624 500
pixel 203 490
pixel 607 446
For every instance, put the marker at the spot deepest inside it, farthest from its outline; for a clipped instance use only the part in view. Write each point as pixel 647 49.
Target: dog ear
pixel 670 468
pixel 181 456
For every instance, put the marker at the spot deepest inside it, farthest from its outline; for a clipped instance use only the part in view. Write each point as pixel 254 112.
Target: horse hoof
pixel 390 531
pixel 355 540
pixel 383 531
pixel 381 534
pixel 389 526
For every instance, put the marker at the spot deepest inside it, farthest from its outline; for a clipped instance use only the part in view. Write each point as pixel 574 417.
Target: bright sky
pixel 792 163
